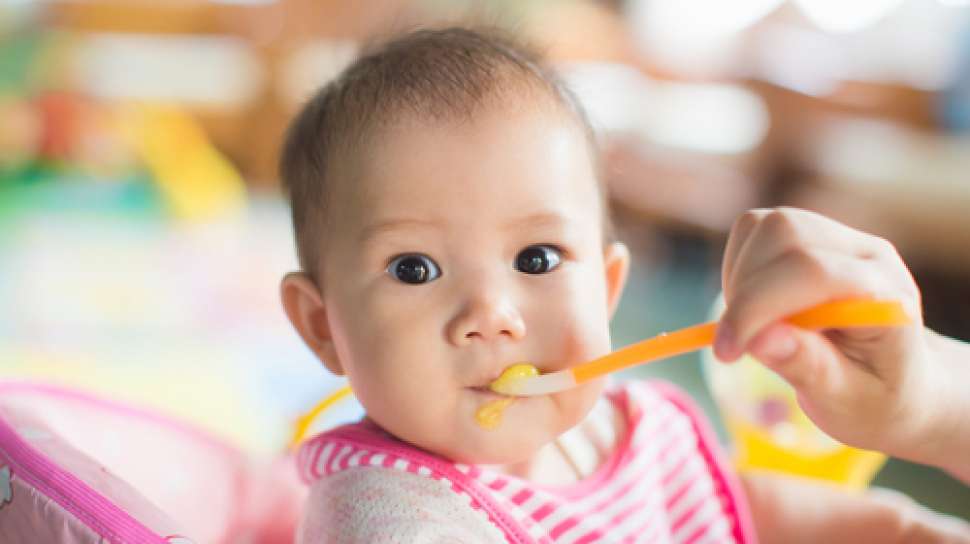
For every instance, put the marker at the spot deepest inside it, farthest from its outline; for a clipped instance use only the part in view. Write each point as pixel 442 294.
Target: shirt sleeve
pixel 378 505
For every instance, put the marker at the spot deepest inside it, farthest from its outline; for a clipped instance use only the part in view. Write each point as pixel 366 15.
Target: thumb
pixel 805 359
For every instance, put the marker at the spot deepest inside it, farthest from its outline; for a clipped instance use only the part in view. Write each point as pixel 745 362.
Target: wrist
pixel 944 439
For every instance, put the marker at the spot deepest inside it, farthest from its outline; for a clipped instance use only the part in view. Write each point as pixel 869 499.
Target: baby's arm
pixel 898 390
pixel 367 505
pixel 792 510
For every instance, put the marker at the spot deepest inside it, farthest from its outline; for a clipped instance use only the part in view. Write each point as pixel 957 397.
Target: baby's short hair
pixel 429 74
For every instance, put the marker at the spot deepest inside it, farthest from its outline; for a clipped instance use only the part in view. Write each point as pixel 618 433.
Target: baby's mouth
pixel 484 385
pixel 489 414
pixel 486 391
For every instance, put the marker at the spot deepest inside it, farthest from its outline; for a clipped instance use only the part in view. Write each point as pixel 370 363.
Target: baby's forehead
pixel 506 150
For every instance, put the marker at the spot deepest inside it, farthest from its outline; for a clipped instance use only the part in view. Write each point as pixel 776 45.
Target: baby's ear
pixel 305 308
pixel 616 266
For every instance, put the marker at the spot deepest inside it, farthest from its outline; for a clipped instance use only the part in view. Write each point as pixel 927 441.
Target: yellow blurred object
pixel 303 424
pixel 158 382
pixel 768 427
pixel 756 449
pixel 771 432
pixel 195 179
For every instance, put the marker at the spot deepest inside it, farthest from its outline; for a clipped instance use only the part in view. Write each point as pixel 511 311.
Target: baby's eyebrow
pixel 541 219
pixel 381 227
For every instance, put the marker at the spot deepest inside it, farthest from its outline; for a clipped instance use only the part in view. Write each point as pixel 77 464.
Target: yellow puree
pixel 490 414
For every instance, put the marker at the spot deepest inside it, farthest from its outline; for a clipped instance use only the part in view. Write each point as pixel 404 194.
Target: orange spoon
pixel 516 381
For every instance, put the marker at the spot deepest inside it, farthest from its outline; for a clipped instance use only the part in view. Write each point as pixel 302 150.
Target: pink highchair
pixel 77 469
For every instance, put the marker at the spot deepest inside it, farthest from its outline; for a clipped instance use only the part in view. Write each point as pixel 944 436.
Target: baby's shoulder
pixel 378 504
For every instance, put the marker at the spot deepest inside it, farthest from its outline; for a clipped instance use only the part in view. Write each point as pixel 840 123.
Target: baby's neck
pixel 575 454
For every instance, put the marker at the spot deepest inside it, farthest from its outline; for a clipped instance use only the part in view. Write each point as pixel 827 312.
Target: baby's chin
pixel 526 426
pixel 495 449
pixel 517 438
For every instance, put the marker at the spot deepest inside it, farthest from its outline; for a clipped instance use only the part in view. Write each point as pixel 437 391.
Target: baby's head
pixel 450 223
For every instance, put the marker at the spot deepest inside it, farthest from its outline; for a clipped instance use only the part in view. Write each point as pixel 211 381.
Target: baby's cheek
pixel 406 377
pixel 581 340
pixel 586 396
pixel 584 323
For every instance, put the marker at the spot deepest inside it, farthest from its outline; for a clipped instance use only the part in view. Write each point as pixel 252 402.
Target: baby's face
pixel 460 249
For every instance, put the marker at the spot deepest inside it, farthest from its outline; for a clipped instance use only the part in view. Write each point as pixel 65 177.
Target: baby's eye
pixel 538 259
pixel 414 269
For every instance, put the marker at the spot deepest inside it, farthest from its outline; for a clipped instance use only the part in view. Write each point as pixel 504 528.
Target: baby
pixel 450 223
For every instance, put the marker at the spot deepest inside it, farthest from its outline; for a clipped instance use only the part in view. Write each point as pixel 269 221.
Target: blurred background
pixel 143 234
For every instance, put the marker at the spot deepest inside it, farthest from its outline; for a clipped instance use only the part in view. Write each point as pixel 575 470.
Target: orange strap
pixel 304 422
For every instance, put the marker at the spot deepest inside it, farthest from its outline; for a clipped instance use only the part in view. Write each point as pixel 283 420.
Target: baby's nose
pixel 486 320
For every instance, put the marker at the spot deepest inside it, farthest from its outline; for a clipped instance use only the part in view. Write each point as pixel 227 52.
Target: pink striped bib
pixel 666 481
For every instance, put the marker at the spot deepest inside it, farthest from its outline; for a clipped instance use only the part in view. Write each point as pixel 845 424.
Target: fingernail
pixel 778 347
pixel 725 343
